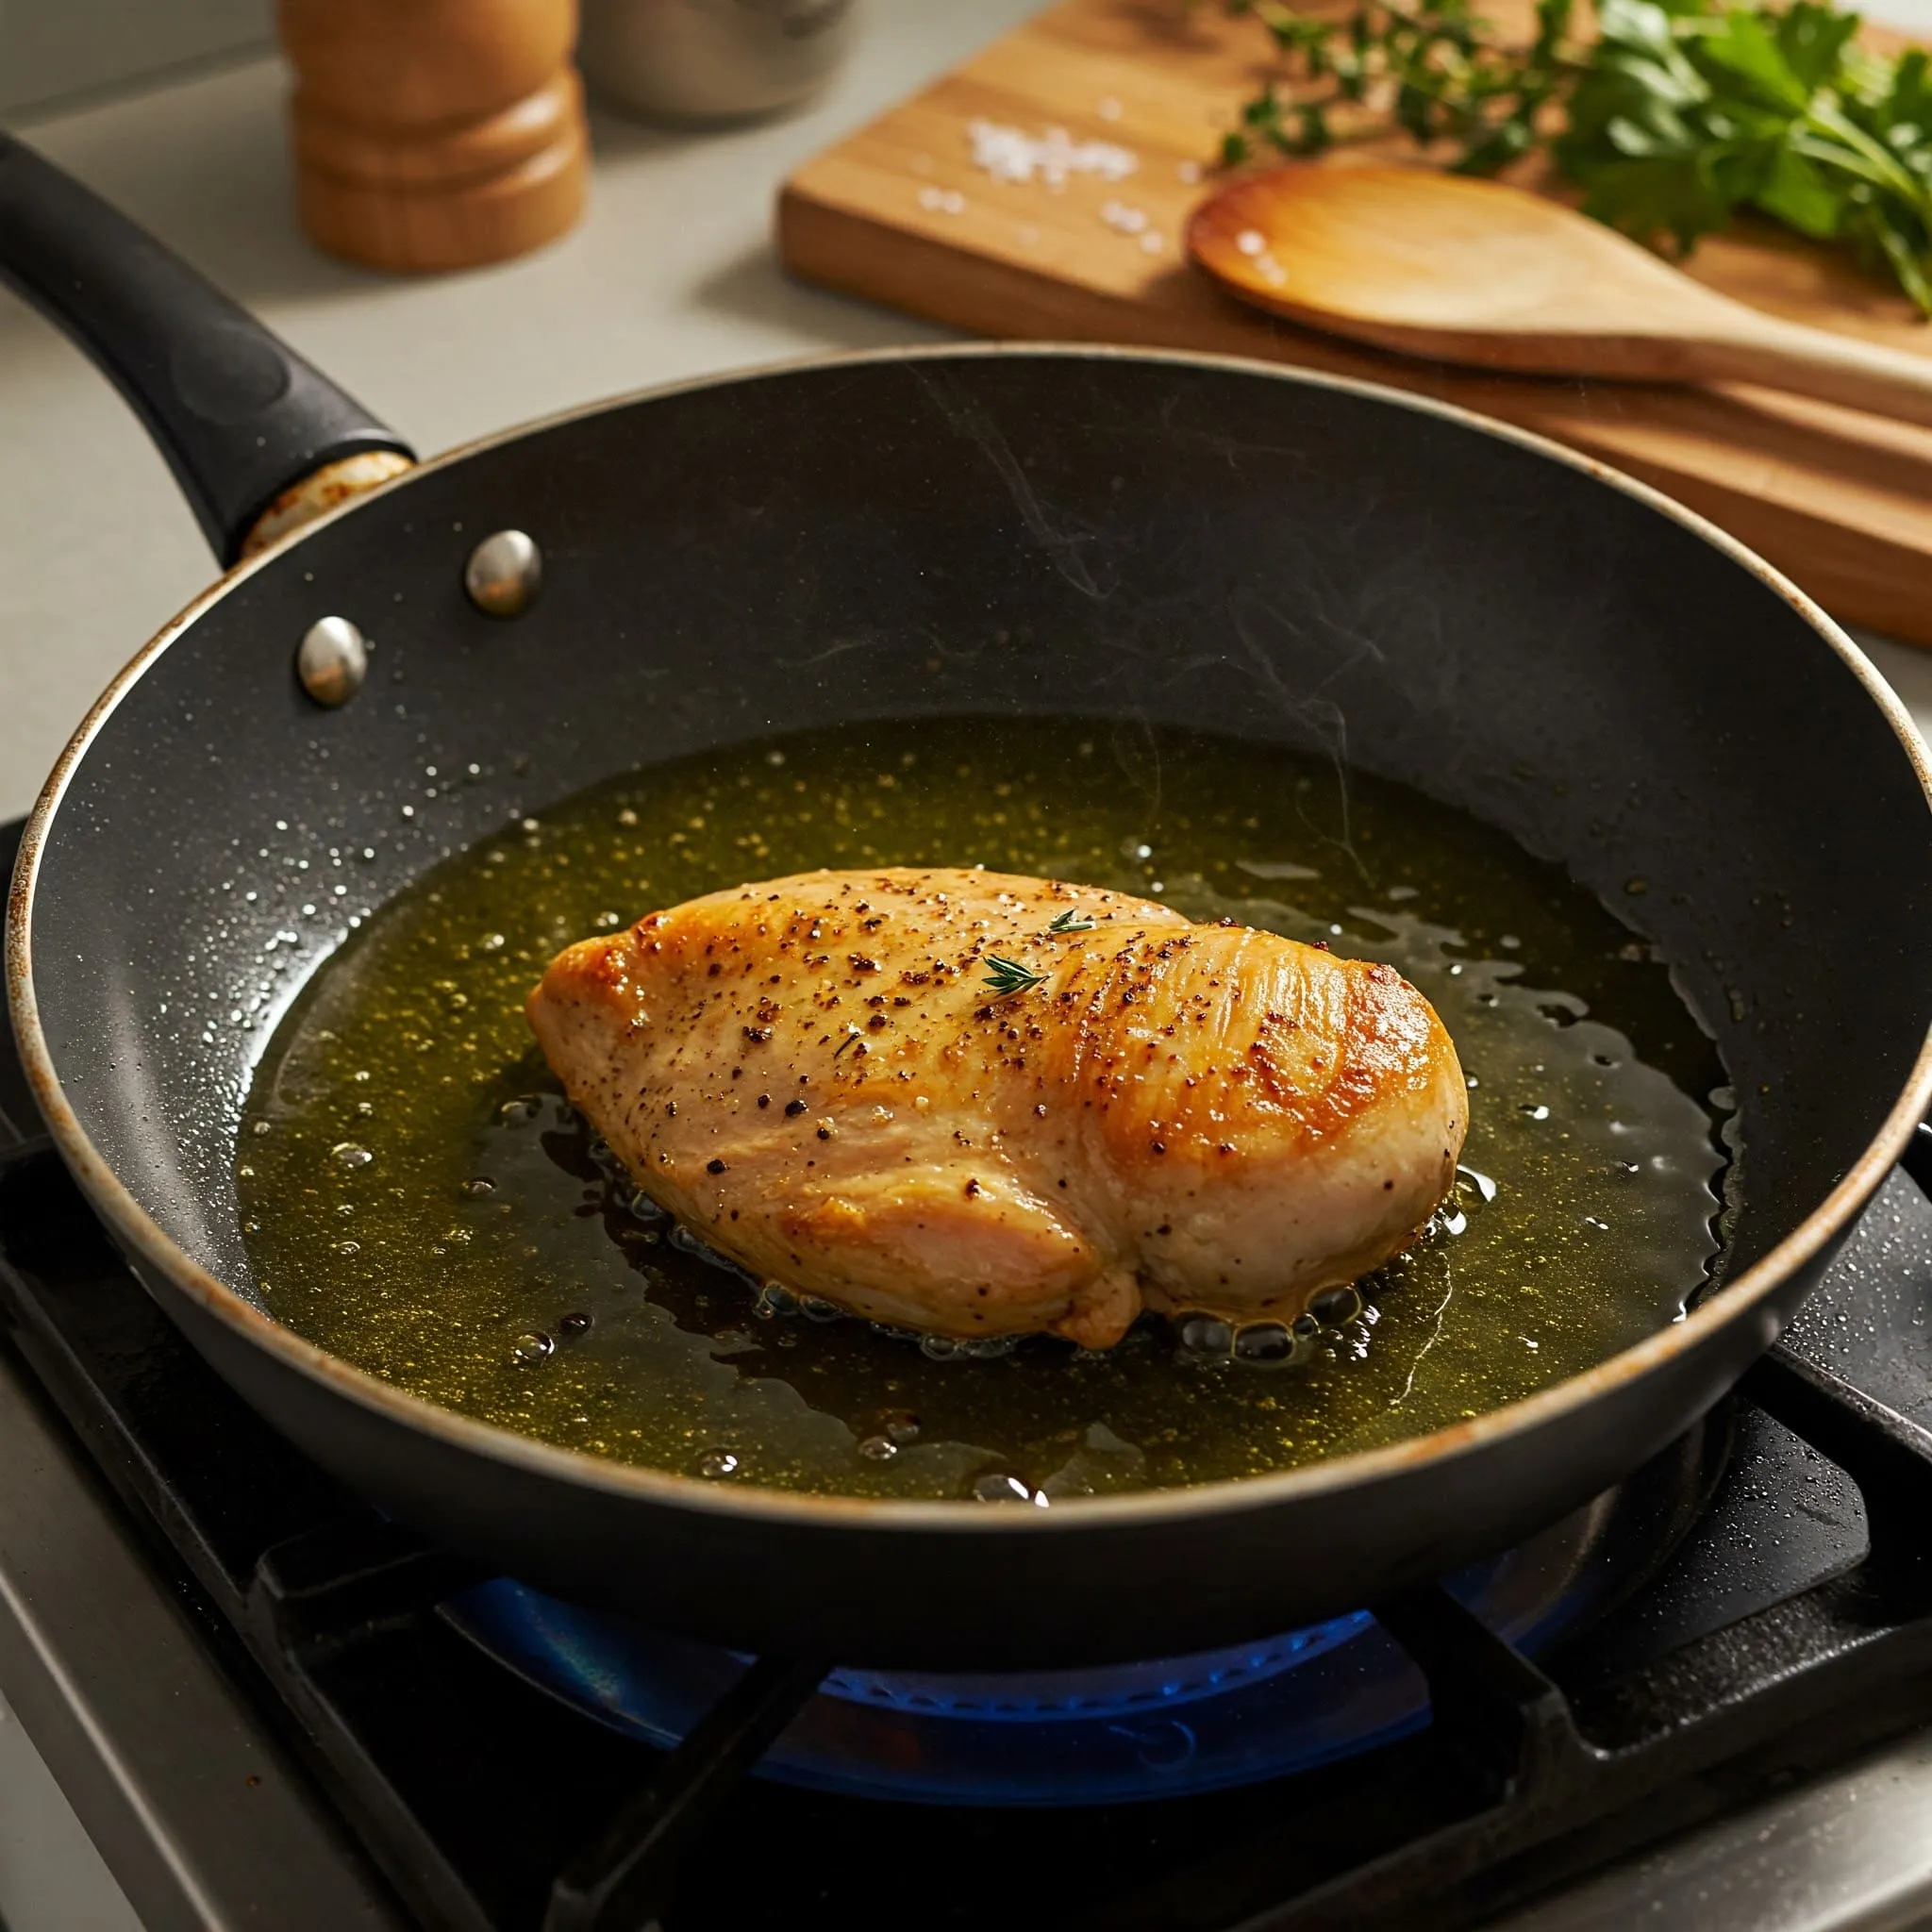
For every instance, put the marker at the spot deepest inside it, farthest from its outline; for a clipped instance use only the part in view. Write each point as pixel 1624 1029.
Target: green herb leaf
pixel 1812 39
pixel 1009 977
pixel 1798 192
pixel 1746 56
pixel 1071 921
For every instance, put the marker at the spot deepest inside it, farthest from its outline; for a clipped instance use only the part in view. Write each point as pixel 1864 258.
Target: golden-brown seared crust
pixel 814 1074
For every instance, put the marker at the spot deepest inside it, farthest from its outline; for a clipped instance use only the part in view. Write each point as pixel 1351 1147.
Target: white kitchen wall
pixel 51 50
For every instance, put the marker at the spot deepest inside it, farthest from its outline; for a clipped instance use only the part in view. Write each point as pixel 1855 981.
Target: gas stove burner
pixel 1048 1737
pixel 1158 1729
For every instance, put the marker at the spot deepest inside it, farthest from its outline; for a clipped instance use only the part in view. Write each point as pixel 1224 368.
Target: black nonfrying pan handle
pixel 239 415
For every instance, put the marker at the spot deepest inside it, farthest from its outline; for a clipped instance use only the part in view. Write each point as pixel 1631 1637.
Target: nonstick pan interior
pixel 1209 543
pixel 980 532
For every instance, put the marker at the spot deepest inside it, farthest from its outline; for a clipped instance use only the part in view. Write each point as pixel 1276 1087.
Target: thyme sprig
pixel 1071 921
pixel 1009 977
pixel 1431 69
pixel 1679 113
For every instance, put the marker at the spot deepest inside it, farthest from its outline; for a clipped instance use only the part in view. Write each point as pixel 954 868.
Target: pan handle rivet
pixel 332 662
pixel 504 574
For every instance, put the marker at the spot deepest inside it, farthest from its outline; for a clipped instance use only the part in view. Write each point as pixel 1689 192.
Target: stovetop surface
pixel 473 1790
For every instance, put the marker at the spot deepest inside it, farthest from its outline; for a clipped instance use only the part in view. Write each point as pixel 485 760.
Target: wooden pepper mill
pixel 436 133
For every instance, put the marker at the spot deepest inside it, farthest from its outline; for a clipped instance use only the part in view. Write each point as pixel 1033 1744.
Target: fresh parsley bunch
pixel 1669 120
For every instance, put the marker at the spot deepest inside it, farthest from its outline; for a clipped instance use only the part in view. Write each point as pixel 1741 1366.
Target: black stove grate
pixel 1793 1627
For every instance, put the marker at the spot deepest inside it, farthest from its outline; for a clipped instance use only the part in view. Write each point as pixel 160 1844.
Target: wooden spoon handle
pixel 1815 362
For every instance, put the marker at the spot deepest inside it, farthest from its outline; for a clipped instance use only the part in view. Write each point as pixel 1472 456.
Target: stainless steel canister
pixel 712 59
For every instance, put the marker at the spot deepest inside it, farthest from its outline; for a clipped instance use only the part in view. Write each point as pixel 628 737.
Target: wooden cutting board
pixel 900 212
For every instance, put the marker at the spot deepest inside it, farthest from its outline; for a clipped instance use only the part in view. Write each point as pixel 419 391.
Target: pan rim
pixel 1227 1497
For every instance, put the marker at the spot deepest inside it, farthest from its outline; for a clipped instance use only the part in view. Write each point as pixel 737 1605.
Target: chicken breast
pixel 816 1076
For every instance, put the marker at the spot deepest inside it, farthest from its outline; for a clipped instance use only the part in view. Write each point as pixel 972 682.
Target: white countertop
pixel 671 273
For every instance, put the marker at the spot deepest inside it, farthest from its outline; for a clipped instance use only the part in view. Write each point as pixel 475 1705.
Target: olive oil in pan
pixel 420 1199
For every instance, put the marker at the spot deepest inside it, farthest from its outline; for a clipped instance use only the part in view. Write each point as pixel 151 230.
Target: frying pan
pixel 1314 563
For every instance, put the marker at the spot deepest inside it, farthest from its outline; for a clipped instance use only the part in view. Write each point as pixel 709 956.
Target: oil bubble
pixel 987 1348
pixel 774 1298
pixel 878 1448
pixel 1333 1306
pixel 1206 1334
pixel 351 1154
pixel 569 1327
pixel 1266 1343
pixel 717 1463
pixel 637 1204
pixel 479 1186
pixel 528 1350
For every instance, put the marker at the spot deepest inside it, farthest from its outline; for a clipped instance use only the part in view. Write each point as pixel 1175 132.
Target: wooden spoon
pixel 1463 270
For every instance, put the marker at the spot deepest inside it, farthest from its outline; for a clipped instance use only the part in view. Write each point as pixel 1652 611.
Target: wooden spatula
pixel 1463 270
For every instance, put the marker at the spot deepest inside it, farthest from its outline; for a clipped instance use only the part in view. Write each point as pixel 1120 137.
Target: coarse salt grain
pixel 1109 108
pixel 1010 153
pixel 1189 171
pixel 1251 241
pixel 941 201
pixel 1125 220
pixel 1151 243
